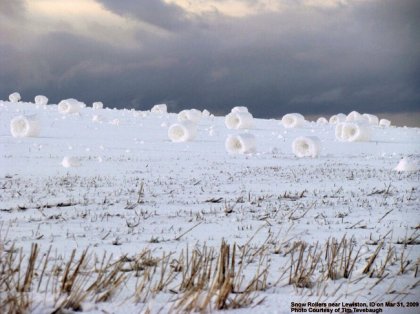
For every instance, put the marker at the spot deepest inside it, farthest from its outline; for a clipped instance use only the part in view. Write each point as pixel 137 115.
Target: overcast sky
pixel 274 56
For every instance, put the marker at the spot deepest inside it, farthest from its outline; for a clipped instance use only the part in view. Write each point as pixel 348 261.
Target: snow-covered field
pixel 186 226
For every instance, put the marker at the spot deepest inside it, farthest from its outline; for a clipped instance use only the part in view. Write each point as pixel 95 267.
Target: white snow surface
pixel 350 189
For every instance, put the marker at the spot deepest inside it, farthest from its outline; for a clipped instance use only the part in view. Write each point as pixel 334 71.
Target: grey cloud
pixel 11 9
pixel 363 56
pixel 155 12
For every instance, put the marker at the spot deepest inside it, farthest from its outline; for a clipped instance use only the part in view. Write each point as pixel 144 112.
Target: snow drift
pixel 182 132
pixel 240 144
pixel 159 109
pixel 41 100
pixel 239 120
pixel 68 106
pixel 353 132
pixel 24 126
pixel 98 105
pixel 14 97
pixel 292 120
pixel 306 146
pixel 337 118
pixel 192 115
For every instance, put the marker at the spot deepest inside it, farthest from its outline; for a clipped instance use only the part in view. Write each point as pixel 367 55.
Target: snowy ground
pixel 136 191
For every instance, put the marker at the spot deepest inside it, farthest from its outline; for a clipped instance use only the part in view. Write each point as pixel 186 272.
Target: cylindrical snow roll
pixel 115 122
pixel 159 109
pixel 353 116
pixel 339 131
pixel 182 132
pixel 41 100
pixel 407 164
pixel 205 113
pixel 98 105
pixel 192 115
pixel 182 115
pixel 239 109
pixel 384 122
pixel 14 97
pixel 355 132
pixel 70 162
pixel 68 106
pixel 24 126
pixel 97 118
pixel 372 119
pixel 239 120
pixel 322 120
pixel 337 118
pixel 306 146
pixel 240 144
pixel 293 120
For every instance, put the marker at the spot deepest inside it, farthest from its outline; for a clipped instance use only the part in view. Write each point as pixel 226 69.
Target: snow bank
pixel 384 122
pixel 182 132
pixel 239 109
pixel 159 109
pixel 240 144
pixel 372 119
pixel 353 132
pixel 68 106
pixel 98 105
pixel 192 115
pixel 306 146
pixel 70 162
pixel 24 126
pixel 41 100
pixel 14 97
pixel 322 120
pixel 407 164
pixel 239 120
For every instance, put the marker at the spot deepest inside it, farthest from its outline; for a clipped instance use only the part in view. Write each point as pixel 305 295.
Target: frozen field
pixel 172 227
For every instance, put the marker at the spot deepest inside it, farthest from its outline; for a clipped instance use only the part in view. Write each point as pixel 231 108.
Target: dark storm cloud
pixel 362 56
